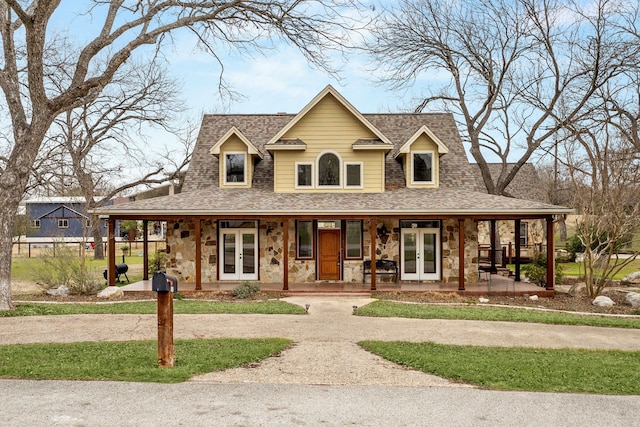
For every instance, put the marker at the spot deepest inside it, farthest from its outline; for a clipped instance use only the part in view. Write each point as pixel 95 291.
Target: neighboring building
pixel 59 218
pixel 310 197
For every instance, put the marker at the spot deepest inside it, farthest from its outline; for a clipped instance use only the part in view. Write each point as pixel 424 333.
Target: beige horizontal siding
pixel 329 127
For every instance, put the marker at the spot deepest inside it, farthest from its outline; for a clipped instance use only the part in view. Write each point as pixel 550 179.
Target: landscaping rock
pixel 632 278
pixel 483 300
pixel 602 301
pixel 111 292
pixel 633 298
pixel 60 291
pixel 533 297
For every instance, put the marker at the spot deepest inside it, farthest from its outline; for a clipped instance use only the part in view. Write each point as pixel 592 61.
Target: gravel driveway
pixel 325 349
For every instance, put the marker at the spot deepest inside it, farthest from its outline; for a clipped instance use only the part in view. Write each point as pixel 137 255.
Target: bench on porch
pixel 383 267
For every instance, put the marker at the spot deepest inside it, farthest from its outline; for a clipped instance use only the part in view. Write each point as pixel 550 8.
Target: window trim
pixel 297 184
pixel 313 240
pixel 244 166
pixel 346 249
pixel 318 185
pixel 35 223
pixel 346 176
pixel 433 172
pixel 63 223
pixel 524 237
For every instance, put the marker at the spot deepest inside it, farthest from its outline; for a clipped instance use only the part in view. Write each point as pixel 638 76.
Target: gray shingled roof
pixel 525 185
pixel 458 192
pixel 260 201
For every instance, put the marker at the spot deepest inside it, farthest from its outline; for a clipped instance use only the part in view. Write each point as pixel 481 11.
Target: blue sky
pixel 281 80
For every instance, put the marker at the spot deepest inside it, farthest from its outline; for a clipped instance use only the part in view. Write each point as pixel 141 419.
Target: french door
pixel 238 252
pixel 420 254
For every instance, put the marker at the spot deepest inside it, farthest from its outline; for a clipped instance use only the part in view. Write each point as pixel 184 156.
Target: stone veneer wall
pixel 536 231
pixel 181 252
pixel 450 258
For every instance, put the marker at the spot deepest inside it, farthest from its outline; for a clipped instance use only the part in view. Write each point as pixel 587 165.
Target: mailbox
pixel 162 282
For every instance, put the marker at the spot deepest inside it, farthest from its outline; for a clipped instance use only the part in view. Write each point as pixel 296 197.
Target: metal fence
pixel 34 248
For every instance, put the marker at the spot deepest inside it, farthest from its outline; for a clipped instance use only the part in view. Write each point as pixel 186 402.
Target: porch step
pixel 345 294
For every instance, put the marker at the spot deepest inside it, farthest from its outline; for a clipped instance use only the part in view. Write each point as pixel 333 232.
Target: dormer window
pixel 422 167
pixel 235 168
pixel 329 170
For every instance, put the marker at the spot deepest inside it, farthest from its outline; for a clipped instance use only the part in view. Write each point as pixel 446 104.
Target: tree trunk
pixel 7 214
pixel 98 248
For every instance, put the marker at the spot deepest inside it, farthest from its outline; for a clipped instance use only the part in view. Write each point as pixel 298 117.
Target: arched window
pixel 329 170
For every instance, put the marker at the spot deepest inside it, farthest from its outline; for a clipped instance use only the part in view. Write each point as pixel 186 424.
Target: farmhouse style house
pixel 328 195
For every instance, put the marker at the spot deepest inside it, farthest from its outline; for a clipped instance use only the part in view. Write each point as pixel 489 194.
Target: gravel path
pixel 325 349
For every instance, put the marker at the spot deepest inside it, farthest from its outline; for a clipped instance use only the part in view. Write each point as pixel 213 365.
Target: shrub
pixel 62 266
pixel 537 270
pixel 157 262
pixel 245 290
pixel 574 246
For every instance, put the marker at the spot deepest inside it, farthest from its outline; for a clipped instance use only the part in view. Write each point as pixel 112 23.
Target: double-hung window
pixel 353 239
pixel 422 167
pixel 235 168
pixel 304 175
pixel 353 175
pixel 63 223
pixel 304 239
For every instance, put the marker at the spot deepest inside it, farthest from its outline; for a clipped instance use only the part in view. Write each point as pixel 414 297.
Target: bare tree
pixel 515 71
pixel 28 81
pixel 605 171
pixel 105 143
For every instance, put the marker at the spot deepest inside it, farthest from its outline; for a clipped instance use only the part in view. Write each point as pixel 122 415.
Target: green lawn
pixel 150 307
pixel 132 360
pixel 530 369
pixel 475 312
pixel 576 269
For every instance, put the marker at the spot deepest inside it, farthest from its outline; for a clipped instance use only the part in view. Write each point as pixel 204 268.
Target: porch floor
pixel 497 285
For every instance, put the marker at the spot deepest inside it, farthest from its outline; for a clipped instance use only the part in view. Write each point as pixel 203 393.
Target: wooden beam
pixel 461 254
pixel 111 252
pixel 198 253
pixel 374 234
pixel 492 251
pixel 145 250
pixel 551 265
pixel 285 255
pixel 166 351
pixel 517 223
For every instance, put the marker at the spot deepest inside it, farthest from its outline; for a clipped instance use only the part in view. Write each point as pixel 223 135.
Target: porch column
pixel 517 239
pixel 198 254
pixel 111 252
pixel 461 254
pixel 145 249
pixel 492 251
pixel 374 233
pixel 551 267
pixel 285 255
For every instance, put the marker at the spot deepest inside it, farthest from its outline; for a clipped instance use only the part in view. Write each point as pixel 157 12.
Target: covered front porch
pixel 207 252
pixel 494 284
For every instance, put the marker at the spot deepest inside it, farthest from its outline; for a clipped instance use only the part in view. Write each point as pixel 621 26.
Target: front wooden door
pixel 329 254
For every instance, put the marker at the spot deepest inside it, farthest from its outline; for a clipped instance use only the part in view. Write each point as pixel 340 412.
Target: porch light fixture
pixel 382 234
